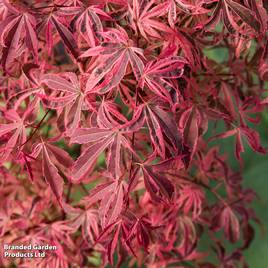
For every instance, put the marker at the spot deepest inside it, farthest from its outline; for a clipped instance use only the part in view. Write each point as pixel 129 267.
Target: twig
pixel 36 128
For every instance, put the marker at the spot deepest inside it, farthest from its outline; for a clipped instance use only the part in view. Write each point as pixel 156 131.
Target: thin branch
pixel 36 129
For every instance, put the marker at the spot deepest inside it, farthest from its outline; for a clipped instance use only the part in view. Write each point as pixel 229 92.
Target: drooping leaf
pixel 230 224
pixel 87 159
pixel 51 175
pixel 158 186
pixel 15 30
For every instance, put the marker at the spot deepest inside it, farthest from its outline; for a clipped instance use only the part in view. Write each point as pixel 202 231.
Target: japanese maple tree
pixel 109 141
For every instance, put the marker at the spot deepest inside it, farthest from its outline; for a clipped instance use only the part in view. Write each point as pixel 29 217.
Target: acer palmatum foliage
pixel 116 96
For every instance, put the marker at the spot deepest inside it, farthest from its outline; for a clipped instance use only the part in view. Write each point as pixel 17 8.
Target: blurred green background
pixel 255 174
